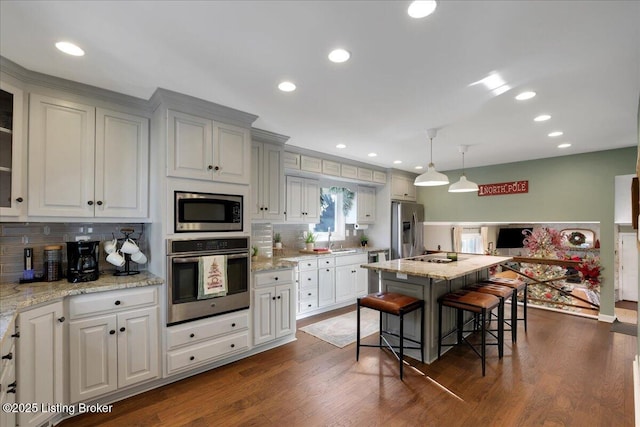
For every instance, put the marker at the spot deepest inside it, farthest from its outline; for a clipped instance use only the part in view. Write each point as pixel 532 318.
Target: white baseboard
pixel 606 318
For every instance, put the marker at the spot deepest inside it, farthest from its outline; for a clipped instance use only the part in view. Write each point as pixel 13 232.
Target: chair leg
pixel 358 330
pixel 401 344
pixel 439 329
pixel 526 295
pixel 514 316
pixel 484 339
pixel 501 329
pixel 459 324
pixel 422 332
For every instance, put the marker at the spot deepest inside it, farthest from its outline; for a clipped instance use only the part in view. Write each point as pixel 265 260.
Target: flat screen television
pixel 511 237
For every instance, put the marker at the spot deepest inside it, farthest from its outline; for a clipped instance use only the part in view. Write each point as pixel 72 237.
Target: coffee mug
pixel 139 258
pixel 129 247
pixel 116 259
pixel 110 246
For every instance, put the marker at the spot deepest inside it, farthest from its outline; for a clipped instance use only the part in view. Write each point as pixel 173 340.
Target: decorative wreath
pixel 576 238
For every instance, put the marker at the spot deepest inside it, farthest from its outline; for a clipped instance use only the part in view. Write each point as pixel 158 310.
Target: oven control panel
pixel 207 245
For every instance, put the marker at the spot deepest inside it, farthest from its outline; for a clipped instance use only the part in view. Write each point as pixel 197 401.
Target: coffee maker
pixel 82 261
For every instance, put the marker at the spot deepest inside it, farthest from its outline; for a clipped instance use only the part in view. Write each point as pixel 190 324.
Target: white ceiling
pixel 405 75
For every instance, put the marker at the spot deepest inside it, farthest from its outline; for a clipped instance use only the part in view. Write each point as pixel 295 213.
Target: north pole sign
pixel 503 188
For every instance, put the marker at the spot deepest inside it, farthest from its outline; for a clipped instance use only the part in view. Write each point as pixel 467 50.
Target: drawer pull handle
pixel 117 302
pixel 16 335
pixel 122 329
pixel 192 358
pixel 8 356
pixel 233 325
pixel 233 345
pixel 61 319
pixel 192 335
pixel 111 332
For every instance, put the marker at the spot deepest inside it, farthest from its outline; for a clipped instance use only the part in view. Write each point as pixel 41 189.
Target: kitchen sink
pixel 343 251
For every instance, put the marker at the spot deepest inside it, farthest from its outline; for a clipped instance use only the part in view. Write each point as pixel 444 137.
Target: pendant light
pixel 463 186
pixel 431 177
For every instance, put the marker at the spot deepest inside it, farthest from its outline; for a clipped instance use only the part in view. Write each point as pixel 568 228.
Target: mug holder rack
pixel 127 257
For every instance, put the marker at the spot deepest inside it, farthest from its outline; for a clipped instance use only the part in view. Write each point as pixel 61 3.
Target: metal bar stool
pixel 474 302
pixel 397 305
pixel 503 293
pixel 517 286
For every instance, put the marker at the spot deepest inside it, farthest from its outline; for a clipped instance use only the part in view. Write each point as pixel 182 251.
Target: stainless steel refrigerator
pixel 407 239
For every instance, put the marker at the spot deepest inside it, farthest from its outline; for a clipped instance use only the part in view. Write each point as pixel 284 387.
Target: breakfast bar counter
pixel 428 277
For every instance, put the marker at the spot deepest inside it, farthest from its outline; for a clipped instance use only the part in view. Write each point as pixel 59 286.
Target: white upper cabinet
pixel 402 188
pixel 199 148
pixel 366 205
pixel 267 182
pixel 86 161
pixel 13 193
pixel 303 200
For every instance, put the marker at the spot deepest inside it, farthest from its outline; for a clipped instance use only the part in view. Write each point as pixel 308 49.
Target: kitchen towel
pixel 382 256
pixel 212 277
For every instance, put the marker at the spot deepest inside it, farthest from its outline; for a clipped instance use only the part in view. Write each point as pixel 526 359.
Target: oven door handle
pixel 197 259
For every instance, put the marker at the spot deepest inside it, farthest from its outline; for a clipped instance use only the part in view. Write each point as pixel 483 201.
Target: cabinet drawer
pixel 108 302
pixel 274 277
pixel 308 294
pixel 205 329
pixel 308 264
pixel 328 261
pixel 351 259
pixel 308 279
pixel 199 354
pixel 304 306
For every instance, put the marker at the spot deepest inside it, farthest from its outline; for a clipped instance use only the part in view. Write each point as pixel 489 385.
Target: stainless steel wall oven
pixel 194 264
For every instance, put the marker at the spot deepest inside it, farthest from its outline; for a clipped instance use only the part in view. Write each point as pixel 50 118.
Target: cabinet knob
pixel 122 329
pixel 210 167
pixel 308 305
pixel 7 356
pixel 19 200
pixel 192 358
pixel 273 298
pixel 61 319
pixel 233 325
pixel 192 335
pixel 217 168
pixel 328 269
pixel 233 345
pixel 16 335
pixel 99 202
pixel 309 294
pixel 266 208
pixel 278 296
pixel 90 202
pixel 308 278
pixel 117 302
pixel 111 332
pixel 275 278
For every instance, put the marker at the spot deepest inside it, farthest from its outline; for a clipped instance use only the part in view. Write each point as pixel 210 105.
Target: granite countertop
pixel 14 297
pixel 445 271
pixel 289 258
pixel 275 263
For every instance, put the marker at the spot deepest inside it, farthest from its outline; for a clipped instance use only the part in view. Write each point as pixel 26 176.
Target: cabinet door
pixel 295 208
pixel 189 146
pixel 12 143
pixel 264 315
pixel 362 281
pixel 39 364
pixel 402 188
pixel 326 286
pixel 345 283
pixel 273 182
pixel 138 350
pixel 93 358
pixel 285 320
pixel 256 207
pixel 311 201
pixel 122 164
pixel 366 205
pixel 232 154
pixel 61 157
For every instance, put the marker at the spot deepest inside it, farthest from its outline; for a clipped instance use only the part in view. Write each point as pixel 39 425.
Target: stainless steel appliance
pixel 374 277
pixel 195 212
pixel 82 261
pixel 184 261
pixel 406 229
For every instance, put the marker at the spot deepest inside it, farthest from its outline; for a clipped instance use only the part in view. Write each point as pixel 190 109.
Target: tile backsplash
pixel 15 237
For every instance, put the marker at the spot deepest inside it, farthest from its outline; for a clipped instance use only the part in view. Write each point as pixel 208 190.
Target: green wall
pixel 561 189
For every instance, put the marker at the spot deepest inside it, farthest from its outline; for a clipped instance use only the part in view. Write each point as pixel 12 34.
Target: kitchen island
pixel 428 277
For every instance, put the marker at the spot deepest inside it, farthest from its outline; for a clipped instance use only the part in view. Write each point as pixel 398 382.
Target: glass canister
pixel 52 262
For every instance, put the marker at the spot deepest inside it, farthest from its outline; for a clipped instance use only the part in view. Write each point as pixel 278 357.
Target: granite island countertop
pixel 466 264
pixel 14 296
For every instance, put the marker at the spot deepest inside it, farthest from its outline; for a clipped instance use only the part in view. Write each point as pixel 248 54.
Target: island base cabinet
pixel 40 361
pixel 112 352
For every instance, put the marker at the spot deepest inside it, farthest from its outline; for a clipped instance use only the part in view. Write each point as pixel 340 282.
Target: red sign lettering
pixel 502 188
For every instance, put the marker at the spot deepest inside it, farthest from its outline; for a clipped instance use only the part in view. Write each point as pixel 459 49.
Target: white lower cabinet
pixel 274 305
pixel 204 341
pixel 8 382
pixel 326 281
pixel 351 280
pixel 112 351
pixel 40 361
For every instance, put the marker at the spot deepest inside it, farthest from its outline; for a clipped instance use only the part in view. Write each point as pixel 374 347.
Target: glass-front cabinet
pixel 12 199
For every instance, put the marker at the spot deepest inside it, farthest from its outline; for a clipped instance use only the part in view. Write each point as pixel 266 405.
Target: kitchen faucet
pixel 329 244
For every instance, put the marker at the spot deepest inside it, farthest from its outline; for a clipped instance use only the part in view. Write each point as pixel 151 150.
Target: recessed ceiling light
pixel 556 133
pixel 70 48
pixel 339 55
pixel 542 118
pixel 372 154
pixel 564 145
pixel 525 95
pixel 418 167
pixel 341 146
pixel 397 162
pixel 287 87
pixel 421 9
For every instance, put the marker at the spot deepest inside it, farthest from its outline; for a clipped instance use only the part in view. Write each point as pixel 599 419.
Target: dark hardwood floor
pixel 566 371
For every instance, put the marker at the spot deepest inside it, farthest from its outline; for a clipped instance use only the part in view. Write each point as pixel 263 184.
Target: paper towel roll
pixel 360 226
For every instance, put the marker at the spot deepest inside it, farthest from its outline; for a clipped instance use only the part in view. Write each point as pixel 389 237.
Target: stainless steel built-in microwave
pixel 195 212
